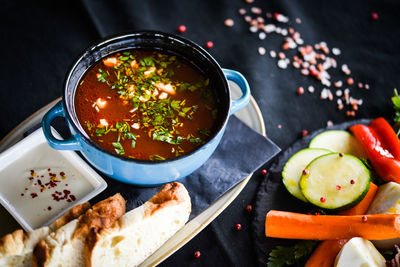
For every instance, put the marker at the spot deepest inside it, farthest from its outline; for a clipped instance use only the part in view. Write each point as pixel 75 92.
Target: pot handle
pixel 241 81
pixel 57 111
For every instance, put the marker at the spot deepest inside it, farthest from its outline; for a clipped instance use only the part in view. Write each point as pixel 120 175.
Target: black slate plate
pixel 273 195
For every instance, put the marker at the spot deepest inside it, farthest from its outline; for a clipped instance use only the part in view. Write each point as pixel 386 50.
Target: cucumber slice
pixel 335 181
pixel 294 167
pixel 339 141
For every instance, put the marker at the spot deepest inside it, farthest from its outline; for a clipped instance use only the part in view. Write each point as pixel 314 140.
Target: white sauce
pixel 14 181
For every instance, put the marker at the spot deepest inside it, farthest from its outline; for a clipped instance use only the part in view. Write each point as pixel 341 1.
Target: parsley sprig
pixel 292 255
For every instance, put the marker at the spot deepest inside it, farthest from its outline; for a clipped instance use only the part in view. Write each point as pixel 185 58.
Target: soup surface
pixel 146 105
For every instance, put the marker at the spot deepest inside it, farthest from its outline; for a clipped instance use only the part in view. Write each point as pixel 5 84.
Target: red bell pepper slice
pixel 382 146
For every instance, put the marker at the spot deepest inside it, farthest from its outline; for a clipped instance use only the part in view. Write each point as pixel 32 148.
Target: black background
pixel 41 39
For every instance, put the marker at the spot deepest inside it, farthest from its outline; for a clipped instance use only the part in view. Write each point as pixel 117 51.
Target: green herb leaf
pixel 118 148
pixel 293 255
pixel 156 157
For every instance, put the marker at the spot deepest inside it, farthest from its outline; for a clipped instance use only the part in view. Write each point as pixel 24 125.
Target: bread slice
pixel 16 248
pixel 141 231
pixel 64 247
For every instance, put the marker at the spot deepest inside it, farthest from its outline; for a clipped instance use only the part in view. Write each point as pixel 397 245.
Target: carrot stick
pixel 362 207
pixel 325 253
pixel 292 225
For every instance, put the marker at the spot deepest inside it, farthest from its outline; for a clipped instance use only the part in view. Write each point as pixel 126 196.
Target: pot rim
pixel 115 38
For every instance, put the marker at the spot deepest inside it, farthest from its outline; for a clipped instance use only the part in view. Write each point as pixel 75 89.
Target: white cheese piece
pixel 359 252
pixel 386 201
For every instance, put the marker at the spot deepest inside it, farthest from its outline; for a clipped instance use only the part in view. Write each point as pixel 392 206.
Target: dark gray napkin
pixel 240 152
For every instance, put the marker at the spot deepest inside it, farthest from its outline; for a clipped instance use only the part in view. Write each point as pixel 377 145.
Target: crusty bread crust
pixel 102 215
pixel 171 195
pixel 71 214
pixel 16 248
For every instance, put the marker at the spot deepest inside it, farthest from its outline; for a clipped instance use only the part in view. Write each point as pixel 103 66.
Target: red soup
pixel 146 105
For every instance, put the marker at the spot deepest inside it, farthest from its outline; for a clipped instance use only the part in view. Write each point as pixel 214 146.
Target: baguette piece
pixel 64 247
pixel 16 248
pixel 141 231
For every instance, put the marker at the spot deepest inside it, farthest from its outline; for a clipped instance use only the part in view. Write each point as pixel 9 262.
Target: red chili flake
pixel 182 28
pixel 322 199
pixel 209 44
pixel 249 208
pixel 238 226
pixel 49 208
pixel 352 181
pixel 22 194
pixel 300 90
pixel 304 133
pixel 338 187
pixel 33 195
pixel 313 72
pixel 30 178
pixel 48 169
pixel 305 172
pixel 340 154
pixel 62 173
pixel 374 16
pixel 32 172
pixel 317 214
pixel 72 197
pixel 197 254
pixel 364 218
pixel 66 184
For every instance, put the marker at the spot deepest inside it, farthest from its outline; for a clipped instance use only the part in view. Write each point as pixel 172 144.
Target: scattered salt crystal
pixel 253 29
pixel 325 93
pixel 284 32
pixel 247 18
pixel 366 86
pixel 298 20
pixel 272 53
pixel 305 72
pixel 262 35
pixel 299 41
pixel 339 101
pixel 256 10
pixel 261 51
pixel 269 28
pixel 339 93
pixel 281 18
pixel 336 51
pixel 278 30
pixel 242 11
pixel 281 55
pixel 249 1
pixel 346 69
pixel 282 63
pixel 268 15
pixel 260 19
pixel 338 84
pixel 229 22
pixel 360 85
pixel 311 89
pixel 347 91
pixel 329 123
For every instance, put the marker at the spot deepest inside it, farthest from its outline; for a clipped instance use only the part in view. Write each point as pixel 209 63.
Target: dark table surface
pixel 41 39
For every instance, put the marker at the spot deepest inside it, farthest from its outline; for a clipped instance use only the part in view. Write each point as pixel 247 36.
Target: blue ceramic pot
pixel 143 172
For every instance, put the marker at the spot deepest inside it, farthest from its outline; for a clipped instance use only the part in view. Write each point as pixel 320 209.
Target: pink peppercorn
pixel 197 254
pixel 322 199
pixel 304 133
pixel 264 172
pixel 238 226
pixel 249 208
pixel 182 28
pixel 209 44
pixel 374 15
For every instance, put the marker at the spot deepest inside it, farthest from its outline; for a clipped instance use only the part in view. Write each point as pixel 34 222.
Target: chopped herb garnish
pixel 118 148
